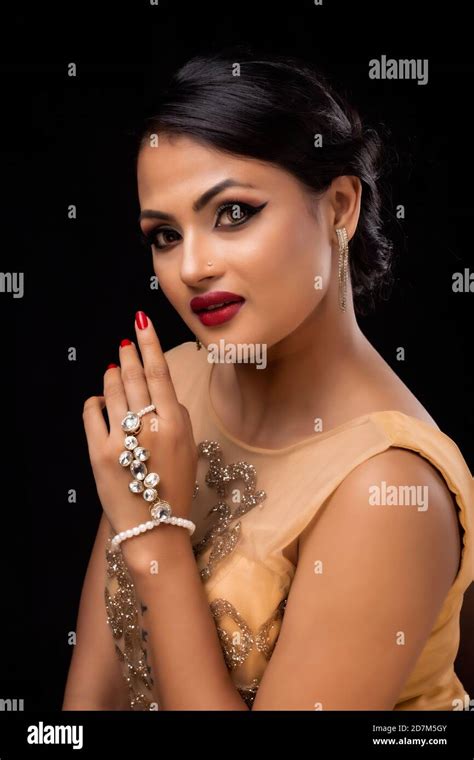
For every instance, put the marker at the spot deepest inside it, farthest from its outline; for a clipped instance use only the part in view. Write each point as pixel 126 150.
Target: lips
pixel 211 301
pixel 214 317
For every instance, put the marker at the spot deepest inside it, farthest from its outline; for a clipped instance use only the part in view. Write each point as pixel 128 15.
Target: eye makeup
pixel 245 212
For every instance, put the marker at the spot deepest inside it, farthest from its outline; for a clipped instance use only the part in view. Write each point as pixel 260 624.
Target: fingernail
pixel 125 342
pixel 112 366
pixel 141 319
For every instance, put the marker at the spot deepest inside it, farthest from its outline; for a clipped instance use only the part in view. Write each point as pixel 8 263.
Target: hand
pixel 167 433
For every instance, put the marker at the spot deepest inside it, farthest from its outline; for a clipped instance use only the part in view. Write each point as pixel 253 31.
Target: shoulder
pixel 370 582
pixel 399 508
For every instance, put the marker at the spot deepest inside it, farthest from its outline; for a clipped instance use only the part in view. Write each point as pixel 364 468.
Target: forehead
pixel 183 166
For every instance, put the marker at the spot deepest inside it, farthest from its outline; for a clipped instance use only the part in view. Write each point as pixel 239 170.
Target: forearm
pixel 183 645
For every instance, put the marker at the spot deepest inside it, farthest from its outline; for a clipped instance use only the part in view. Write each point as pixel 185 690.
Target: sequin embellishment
pixel 222 537
pixel 248 693
pixel 122 616
pixel 122 611
pixel 237 649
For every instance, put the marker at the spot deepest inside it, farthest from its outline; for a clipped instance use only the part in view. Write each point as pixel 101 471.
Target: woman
pixel 332 518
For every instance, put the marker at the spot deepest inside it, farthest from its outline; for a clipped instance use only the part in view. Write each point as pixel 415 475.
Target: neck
pixel 306 374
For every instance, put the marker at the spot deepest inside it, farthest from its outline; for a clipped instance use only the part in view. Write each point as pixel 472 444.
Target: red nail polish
pixel 141 319
pixel 125 342
pixel 112 366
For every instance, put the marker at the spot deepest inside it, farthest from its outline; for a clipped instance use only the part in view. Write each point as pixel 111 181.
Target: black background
pixel 70 141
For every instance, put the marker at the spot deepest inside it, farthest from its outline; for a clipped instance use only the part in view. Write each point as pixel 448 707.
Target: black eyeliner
pixel 147 239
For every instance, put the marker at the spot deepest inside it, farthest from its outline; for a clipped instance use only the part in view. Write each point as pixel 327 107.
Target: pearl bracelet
pixel 180 521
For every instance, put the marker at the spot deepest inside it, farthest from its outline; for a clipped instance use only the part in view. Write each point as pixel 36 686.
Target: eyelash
pixel 148 238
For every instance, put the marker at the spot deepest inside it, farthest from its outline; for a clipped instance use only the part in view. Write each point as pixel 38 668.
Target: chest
pixel 226 491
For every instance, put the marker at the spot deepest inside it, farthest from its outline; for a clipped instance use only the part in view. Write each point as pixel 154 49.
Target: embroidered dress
pixel 251 506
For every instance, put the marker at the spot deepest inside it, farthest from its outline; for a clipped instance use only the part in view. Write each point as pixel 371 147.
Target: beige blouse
pixel 252 503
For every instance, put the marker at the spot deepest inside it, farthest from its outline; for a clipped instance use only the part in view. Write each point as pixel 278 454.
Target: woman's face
pixel 266 246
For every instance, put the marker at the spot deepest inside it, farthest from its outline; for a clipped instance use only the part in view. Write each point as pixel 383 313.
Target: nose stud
pixel 209 263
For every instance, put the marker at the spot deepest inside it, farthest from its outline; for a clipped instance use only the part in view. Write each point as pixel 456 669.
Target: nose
pixel 199 261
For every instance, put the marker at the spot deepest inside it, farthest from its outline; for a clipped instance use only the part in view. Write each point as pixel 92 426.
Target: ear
pixel 344 199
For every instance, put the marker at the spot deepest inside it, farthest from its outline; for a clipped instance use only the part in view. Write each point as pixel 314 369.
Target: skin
pixel 319 360
pixel 308 336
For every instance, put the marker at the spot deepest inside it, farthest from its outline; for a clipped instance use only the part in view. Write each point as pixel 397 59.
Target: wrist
pixel 148 552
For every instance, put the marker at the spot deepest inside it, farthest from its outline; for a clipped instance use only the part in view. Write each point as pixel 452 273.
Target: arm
pixel 188 665
pixel 352 633
pixel 189 670
pixel 95 681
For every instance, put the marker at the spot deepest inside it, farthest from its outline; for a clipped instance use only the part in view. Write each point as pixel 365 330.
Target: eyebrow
pixel 199 203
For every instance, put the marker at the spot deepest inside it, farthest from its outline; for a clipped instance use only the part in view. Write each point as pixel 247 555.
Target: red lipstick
pixel 216 307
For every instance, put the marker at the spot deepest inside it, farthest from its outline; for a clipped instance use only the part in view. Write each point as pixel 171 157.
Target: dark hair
pixel 271 111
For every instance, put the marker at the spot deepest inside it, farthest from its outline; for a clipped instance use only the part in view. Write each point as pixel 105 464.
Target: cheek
pixel 283 262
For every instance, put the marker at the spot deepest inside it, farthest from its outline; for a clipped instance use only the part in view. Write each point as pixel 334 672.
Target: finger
pixel 115 398
pixel 160 384
pixel 133 377
pixel 94 423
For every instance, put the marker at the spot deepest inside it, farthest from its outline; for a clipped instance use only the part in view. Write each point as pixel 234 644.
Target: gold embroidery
pixel 262 639
pixel 122 616
pixel 248 693
pixel 122 611
pixel 237 648
pixel 221 536
pixel 234 653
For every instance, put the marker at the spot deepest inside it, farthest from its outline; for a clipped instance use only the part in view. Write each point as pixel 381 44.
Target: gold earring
pixel 198 343
pixel 343 266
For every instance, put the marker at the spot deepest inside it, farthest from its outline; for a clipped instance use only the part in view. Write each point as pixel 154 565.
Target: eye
pixel 236 211
pixel 152 237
